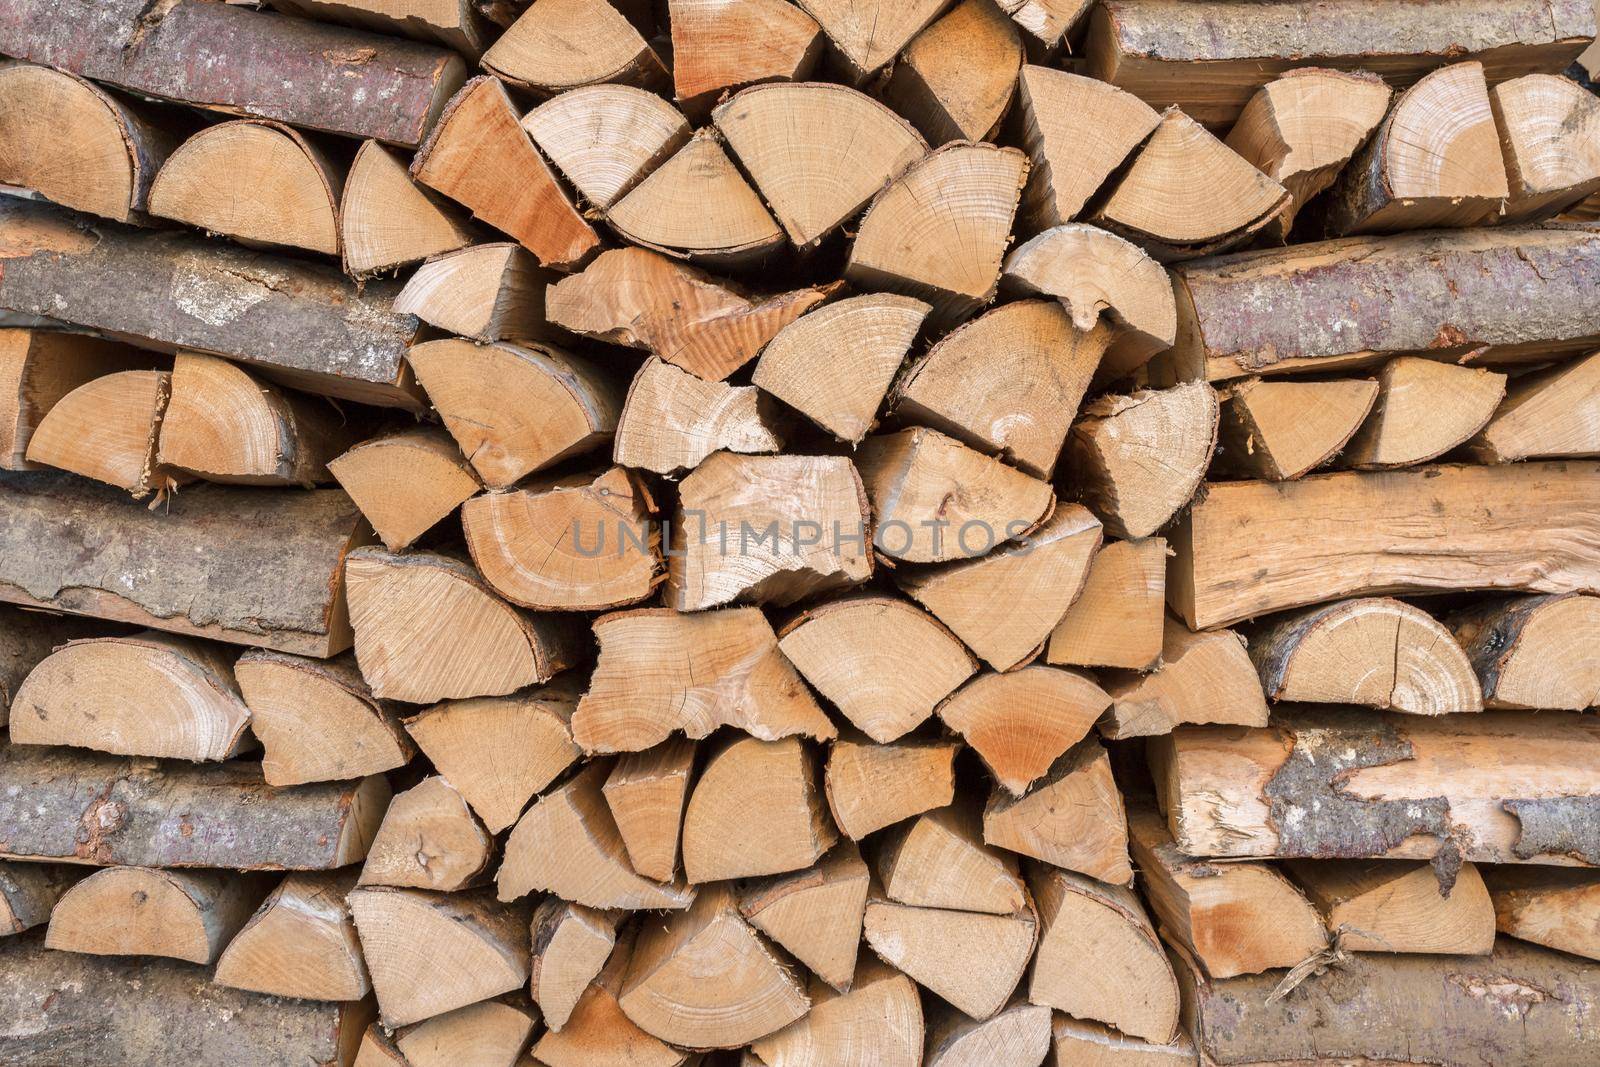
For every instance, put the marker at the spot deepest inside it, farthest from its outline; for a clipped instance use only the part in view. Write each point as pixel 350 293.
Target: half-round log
pixel 1534 651
pixel 1550 134
pixel 606 138
pixel 107 429
pixel 563 44
pixel 141 911
pixel 1424 409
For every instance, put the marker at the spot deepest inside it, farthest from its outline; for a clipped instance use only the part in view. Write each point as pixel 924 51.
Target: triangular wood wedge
pixel 1281 430
pixel 867 35
pixel 1021 722
pixel 1116 620
pixel 386 220
pixel 940 861
pixel 1550 412
pixel 1550 134
pixel 971 959
pixel 757 809
pixel 492 1033
pixel 140 911
pixel 1553 906
pixel 1399 906
pixel 107 429
pixel 870 786
pixel 1533 651
pixel 405 483
pixel 571 944
pixel 487 292
pixel 557 45
pixel 1071 818
pixel 647 792
pixel 815 913
pixel 723 44
pixel 1424 409
pixel 598 1032
pixel 429 840
pixel 956 79
pixel 300 943
pixel 672 420
pixel 606 138
pixel 878 1020
pixel 1204 677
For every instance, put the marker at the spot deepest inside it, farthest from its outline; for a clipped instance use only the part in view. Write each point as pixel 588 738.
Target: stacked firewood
pixel 839 533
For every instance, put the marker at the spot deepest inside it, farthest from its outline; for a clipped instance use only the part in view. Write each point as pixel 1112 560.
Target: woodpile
pixel 799 533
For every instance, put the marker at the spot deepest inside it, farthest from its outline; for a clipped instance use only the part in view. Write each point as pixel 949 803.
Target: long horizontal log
pixel 300 322
pixel 1250 548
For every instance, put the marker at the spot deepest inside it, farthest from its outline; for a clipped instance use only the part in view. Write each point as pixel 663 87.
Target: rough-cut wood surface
pixel 1552 906
pixel 300 943
pixel 28 892
pixel 1533 651
pixel 40 367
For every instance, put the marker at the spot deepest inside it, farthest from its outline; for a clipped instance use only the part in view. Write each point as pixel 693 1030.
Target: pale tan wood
pixel 816 913
pixel 1021 722
pixel 672 420
pixel 430 953
pixel 479 157
pixel 386 220
pixel 835 365
pixel 970 959
pixel 605 139
pixel 1399 906
pixel 939 231
pixel 878 1021
pixel 878 659
pixel 719 45
pixel 571 944
pixel 378 1050
pixel 455 24
pixel 563 44
pixel 493 1033
pixel 1552 412
pixel 940 861
pixel 567 843
pixel 598 1031
pixel 28 892
pixel 1099 957
pixel 1204 677
pixel 660 671
pixel 756 809
pixel 646 792
pixel 39 367
pixel 1281 430
pixel 1424 409
pixel 1116 621
pixel 148 694
pixel 1532 652
pixel 1072 817
pixel 300 943
pixel 405 483
pixel 429 839
pixel 488 292
pixel 1376 652
pixel 1550 137
pixel 141 911
pixel 1017 1036
pixel 871 786
pixel 107 429
pixel 1087 1044
pixel 1548 906
pixel 427 628
pixel 867 36
pixel 956 78
pixel 1047 21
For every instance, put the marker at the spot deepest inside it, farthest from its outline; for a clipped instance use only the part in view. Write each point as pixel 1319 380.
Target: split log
pixel 405 483
pixel 1233 918
pixel 877 1021
pixel 149 694
pixel 1398 906
pixel 1137 460
pixel 427 628
pixel 1118 617
pixel 1376 652
pixel 971 959
pixel 28 892
pixel 641 299
pixel 939 231
pixel 661 671
pixel 1021 722
pixel 40 367
pixel 386 220
pixel 1551 412
pixel 498 752
pixel 815 914
pixel 107 429
pixel 1099 957
pixel 230 59
pixel 454 24
pixel 1548 133
pixel 672 420
pixel 1283 430
pixel 1075 1041
pixel 1533 651
pixel 487 292
pixel 532 544
pixel 756 809
pixel 956 78
pixel 1017 1036
pixel 940 861
pixel 570 946
pixel 479 157
pixel 922 483
pixel 719 45
pixel 606 138
pixel 1549 906
pixel 1046 21
pixel 378 1050
pixel 1147 46
pixel 515 409
pixel 880 661
pixel 835 365
pixel 492 1033
pixel 871 786
pixel 1422 530
pixel 1424 409
pixel 866 37
pixel 300 943
pixel 1072 817
pixel 430 953
pixel 1204 677
pixel 646 793
pixel 228 564
pixel 138 911
pixel 598 1031
pixel 800 524
pixel 1440 787
pixel 429 839
pixel 564 44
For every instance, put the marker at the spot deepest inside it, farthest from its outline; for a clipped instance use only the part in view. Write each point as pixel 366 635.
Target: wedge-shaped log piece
pixel 606 138
pixel 1549 906
pixel 817 152
pixel 972 960
pixel 429 839
pixel 1021 722
pixel 580 543
pixel 28 892
pixel 228 564
pixel 1203 678
pixel 42 366
pixel 427 628
pixel 1078 131
pixel 940 861
pixel 816 913
pixel 562 44
pixel 705 979
pixel 934 499
pixel 880 661
pixel 870 786
pixel 430 953
pixel 570 946
pixel 515 409
pixel 598 1032
pixel 479 157
pixel 769 529
pixel 661 671
pixel 878 1020
pixel 1072 817
pixel 107 429
pixel 672 420
pixel 1422 531
pixel 1424 409
pixel 939 231
pixel 567 843
pixel 1398 906
pixel 1137 460
pixel 140 911
pixel 723 44
pixel 455 24
pixel 1352 784
pixel 646 792
pixel 1046 21
pixel 956 79
pixel 405 483
pixel 1235 918
pixel 1551 412
pixel 488 292
pixel 149 694
pixel 1550 135
pixel 174 815
pixel 499 751
pixel 641 299
pixel 73 143
pixel 1075 1041
pixel 492 1033
pixel 300 943
pixel 1017 1036
pixel 756 809
pixel 1377 652
pixel 1533 651
pixel 1283 430
pixel 386 220
pixel 869 35
pixel 1117 619
pixel 317 720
